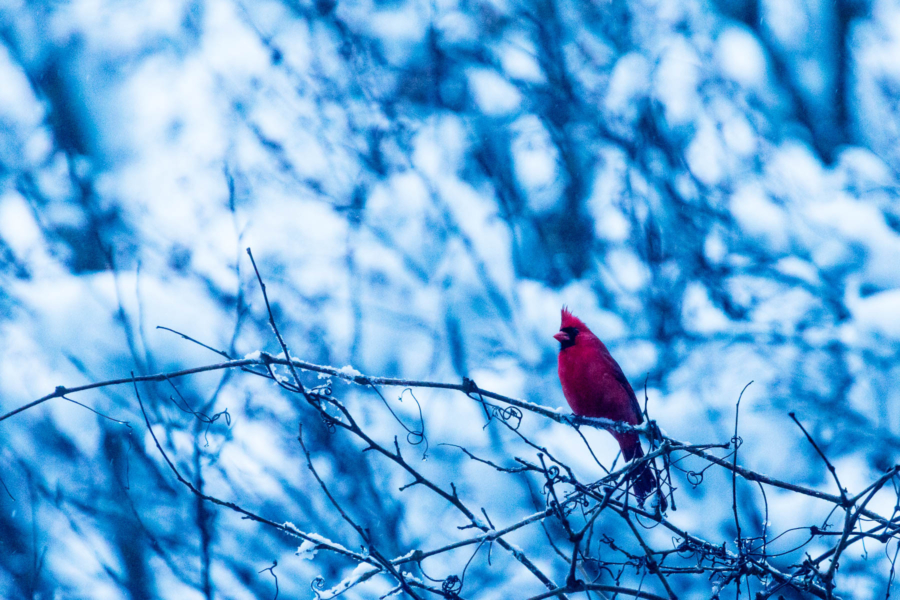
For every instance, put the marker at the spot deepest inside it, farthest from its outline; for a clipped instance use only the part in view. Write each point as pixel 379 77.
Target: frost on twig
pixel 587 531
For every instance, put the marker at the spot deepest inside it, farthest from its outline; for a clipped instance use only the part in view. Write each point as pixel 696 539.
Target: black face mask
pixel 571 332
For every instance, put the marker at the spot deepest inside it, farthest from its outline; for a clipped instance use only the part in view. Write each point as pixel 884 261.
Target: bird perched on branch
pixel 595 386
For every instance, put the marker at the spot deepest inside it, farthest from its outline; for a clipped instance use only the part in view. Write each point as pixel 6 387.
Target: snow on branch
pixel 590 534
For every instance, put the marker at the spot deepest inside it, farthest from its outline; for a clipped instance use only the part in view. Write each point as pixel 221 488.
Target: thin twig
pixel 844 500
pixel 232 506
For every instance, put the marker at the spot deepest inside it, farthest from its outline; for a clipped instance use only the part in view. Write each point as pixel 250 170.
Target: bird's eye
pixel 571 331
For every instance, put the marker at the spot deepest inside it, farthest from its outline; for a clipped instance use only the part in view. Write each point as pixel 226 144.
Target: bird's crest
pixel 570 320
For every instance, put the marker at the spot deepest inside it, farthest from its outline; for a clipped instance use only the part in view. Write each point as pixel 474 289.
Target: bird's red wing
pixel 620 377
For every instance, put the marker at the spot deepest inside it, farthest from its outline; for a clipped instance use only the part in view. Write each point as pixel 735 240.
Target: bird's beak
pixel 561 337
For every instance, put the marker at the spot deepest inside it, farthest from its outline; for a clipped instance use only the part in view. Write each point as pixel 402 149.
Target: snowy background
pixel 712 186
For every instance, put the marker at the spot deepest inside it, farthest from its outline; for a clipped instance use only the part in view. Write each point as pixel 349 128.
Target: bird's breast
pixel 591 388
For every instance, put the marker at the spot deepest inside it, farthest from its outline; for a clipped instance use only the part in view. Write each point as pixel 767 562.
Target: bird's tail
pixel 644 482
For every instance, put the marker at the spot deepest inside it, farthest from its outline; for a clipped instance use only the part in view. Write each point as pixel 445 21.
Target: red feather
pixel 595 386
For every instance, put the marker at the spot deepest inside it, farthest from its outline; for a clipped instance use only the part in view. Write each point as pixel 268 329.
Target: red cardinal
pixel 595 386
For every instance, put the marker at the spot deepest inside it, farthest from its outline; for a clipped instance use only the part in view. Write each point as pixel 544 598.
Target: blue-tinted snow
pixel 423 186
